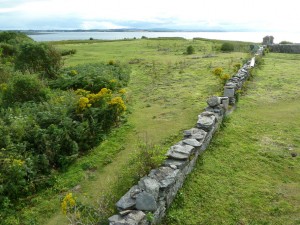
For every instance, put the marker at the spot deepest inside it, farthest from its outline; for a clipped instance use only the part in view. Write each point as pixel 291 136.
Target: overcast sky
pixel 229 15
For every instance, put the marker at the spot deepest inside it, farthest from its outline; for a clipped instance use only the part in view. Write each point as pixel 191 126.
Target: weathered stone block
pixel 180 151
pixel 159 213
pixel 127 201
pixel 228 92
pixel 195 133
pixel 146 202
pixel 192 141
pixel 179 164
pixel 206 121
pixel 150 185
pixel 133 218
pixel 166 176
pixel 213 101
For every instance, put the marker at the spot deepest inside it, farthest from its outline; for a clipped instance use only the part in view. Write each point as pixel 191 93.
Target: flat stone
pixel 166 176
pixel 195 133
pixel 125 212
pixel 135 217
pixel 173 163
pixel 150 185
pixel 127 202
pixel 115 219
pixel 146 202
pixel 176 155
pixel 205 121
pixel 180 151
pixel 192 141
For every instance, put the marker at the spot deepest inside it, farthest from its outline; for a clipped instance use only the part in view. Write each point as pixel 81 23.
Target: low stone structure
pixel 285 48
pixel 155 192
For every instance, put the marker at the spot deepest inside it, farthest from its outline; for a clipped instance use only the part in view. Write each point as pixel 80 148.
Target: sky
pixel 223 15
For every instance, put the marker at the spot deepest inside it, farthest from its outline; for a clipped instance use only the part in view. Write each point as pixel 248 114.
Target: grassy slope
pixel 248 176
pixel 167 91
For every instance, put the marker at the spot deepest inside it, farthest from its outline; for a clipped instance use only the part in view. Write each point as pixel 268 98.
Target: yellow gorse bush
pixel 82 92
pixel 73 72
pixel 118 103
pixel 3 87
pixel 68 203
pixel 18 162
pixel 83 103
pixel 103 93
pixel 122 91
pixel 218 71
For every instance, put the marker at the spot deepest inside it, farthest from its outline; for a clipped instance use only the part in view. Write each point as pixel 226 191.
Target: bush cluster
pixel 39 58
pixel 219 72
pixel 93 77
pixel 227 47
pixel 68 52
pixel 44 128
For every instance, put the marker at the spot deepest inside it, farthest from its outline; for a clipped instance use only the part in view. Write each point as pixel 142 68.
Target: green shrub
pixel 148 157
pixel 93 77
pixel 190 50
pixel 8 50
pixel 227 47
pixel 22 88
pixel 6 72
pixel 39 58
pixel 14 38
pixel 68 52
pixel 285 42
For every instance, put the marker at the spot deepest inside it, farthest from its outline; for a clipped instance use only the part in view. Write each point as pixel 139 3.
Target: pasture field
pixel 248 175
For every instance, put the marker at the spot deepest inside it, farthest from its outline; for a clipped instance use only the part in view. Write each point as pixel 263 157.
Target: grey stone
pixel 206 121
pixel 135 192
pixel 137 216
pixel 146 202
pixel 159 213
pixel 192 141
pixel 195 133
pixel 115 218
pixel 166 176
pixel 225 103
pixel 230 84
pixel 213 101
pixel 133 218
pixel 228 92
pixel 125 212
pixel 207 114
pixel 150 185
pixel 175 155
pixel 180 151
pixel 127 202
pixel 173 167
pixel 179 164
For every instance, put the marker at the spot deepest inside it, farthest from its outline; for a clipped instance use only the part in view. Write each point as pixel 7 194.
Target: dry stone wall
pixel 285 48
pixel 155 192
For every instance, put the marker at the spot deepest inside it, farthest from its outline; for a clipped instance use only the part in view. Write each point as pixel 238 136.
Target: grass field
pixel 248 174
pixel 168 89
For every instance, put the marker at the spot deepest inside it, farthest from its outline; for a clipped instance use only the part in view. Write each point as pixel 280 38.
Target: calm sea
pixel 236 36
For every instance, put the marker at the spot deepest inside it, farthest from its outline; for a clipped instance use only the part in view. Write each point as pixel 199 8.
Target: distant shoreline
pixel 33 32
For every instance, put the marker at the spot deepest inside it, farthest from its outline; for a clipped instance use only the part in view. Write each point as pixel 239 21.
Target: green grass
pixel 167 91
pixel 247 175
